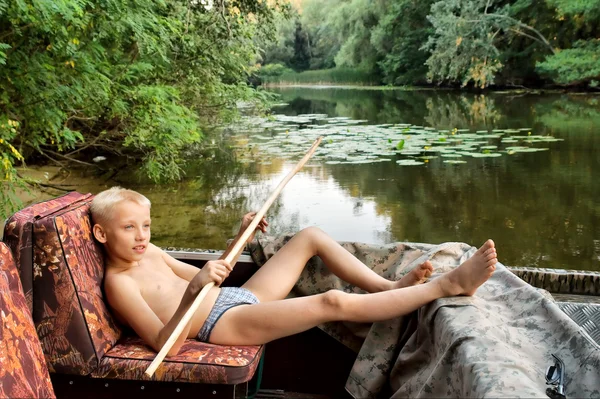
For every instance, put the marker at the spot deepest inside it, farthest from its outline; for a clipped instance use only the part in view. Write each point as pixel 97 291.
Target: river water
pixel 541 208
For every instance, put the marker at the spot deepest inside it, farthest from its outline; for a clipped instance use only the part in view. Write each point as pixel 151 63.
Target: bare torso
pixel 162 289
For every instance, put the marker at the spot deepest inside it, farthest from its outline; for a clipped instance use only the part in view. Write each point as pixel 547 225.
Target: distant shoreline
pixel 354 86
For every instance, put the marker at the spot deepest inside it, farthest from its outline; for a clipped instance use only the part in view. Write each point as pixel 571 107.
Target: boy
pixel 150 291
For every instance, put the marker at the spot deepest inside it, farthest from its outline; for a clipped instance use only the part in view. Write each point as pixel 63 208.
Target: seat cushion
pixel 23 372
pixel 71 317
pixel 18 235
pixel 196 362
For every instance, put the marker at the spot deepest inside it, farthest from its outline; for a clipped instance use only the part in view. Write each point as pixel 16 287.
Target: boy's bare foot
pixel 465 279
pixel 418 275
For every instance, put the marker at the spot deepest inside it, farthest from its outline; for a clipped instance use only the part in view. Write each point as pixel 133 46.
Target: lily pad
pixel 451 155
pixel 491 136
pixel 409 162
pixel 550 139
pixel 489 155
pixel 454 161
pixel 530 149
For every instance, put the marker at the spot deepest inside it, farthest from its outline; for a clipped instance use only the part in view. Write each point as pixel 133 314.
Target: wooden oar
pixel 239 245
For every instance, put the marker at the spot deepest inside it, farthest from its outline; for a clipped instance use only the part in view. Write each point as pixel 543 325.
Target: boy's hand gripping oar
pixel 239 245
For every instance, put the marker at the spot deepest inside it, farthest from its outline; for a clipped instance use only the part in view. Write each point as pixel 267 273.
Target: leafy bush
pixel 271 70
pixel 135 78
pixel 577 65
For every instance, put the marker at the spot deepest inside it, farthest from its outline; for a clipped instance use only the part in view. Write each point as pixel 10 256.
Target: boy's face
pixel 126 234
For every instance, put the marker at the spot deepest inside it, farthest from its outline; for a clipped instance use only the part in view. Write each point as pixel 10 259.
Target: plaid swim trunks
pixel 228 298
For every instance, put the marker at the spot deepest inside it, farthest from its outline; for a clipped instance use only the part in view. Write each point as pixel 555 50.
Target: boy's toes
pixel 427 266
pixel 491 256
pixel 486 249
pixel 489 244
pixel 492 262
pixel 418 275
pixel 425 270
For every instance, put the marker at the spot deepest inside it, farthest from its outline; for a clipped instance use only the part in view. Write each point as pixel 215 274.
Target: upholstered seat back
pixel 18 234
pixel 70 315
pixel 23 372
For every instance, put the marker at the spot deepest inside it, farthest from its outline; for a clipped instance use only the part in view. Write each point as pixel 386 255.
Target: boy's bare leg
pixel 278 275
pixel 264 322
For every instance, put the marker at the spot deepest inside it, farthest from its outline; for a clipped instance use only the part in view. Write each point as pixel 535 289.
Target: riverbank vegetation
pixel 460 43
pixel 346 76
pixel 131 82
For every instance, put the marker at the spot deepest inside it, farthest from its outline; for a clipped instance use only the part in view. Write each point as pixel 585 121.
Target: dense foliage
pixel 131 79
pixel 473 43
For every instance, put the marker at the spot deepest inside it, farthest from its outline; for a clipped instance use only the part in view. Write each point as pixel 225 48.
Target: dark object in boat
pixel 555 376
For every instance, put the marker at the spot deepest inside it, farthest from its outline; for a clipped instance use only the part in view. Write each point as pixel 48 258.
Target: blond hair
pixel 103 203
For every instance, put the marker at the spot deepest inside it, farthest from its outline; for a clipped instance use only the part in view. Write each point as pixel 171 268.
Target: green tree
pixel 340 32
pixel 301 59
pixel 575 66
pixel 398 39
pixel 578 63
pixel 323 39
pixel 135 79
pixel 279 48
pixel 354 21
pixel 465 45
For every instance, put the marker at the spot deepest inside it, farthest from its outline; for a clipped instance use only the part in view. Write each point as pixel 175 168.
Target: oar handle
pixel 239 245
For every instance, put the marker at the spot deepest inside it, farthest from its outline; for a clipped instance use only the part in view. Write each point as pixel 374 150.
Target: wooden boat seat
pixel 23 372
pixel 76 329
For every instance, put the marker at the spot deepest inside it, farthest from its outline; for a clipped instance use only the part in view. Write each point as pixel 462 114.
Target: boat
pixel 88 355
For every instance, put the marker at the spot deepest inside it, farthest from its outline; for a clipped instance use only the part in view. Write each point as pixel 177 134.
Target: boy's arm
pixel 125 298
pixel 246 220
pixel 188 272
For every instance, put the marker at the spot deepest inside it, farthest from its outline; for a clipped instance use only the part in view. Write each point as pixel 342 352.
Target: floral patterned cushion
pixel 23 372
pixel 197 362
pixel 18 234
pixel 72 320
pixel 58 252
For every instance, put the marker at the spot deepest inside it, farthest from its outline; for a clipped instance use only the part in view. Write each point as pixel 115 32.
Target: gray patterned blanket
pixel 497 343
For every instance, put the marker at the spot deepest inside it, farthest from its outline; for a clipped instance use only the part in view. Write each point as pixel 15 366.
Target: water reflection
pixel 542 209
pixel 314 197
